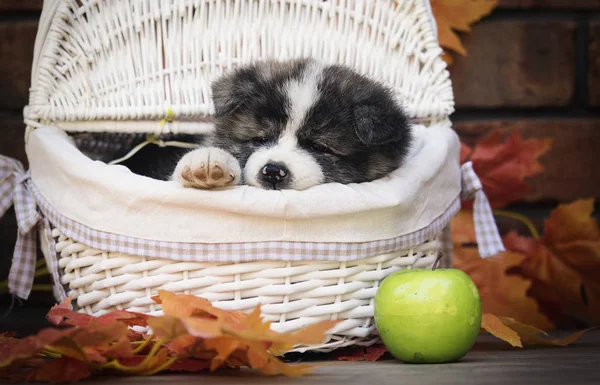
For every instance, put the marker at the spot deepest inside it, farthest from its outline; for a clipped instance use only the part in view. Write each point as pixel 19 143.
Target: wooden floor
pixel 489 362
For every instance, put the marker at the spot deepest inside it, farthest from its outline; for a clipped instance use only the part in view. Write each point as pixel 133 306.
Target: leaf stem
pixel 115 364
pixel 50 353
pixel 164 366
pixel 142 345
pixel 521 218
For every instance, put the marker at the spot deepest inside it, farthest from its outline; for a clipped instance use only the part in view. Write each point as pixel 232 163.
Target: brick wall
pixel 534 65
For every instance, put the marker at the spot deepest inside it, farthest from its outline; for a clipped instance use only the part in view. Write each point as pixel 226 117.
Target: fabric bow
pixel 486 231
pixel 14 191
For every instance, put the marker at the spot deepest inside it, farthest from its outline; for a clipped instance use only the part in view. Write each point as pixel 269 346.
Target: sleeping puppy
pixel 297 124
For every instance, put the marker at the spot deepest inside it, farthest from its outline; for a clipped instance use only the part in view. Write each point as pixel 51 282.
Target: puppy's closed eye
pixel 259 140
pixel 319 147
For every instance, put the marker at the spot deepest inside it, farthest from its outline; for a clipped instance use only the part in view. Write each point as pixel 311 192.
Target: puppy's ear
pixel 377 124
pixel 232 90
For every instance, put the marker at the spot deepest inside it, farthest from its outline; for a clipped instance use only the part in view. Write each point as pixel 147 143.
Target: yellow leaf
pixel 498 329
pixel 224 346
pixel 530 335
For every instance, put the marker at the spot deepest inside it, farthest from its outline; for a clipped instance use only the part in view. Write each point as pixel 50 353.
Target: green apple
pixel 428 316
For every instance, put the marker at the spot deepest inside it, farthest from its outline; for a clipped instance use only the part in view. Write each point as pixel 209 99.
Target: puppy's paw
pixel 207 168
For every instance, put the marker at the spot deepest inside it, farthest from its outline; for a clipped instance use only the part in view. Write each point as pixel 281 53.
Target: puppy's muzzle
pixel 274 175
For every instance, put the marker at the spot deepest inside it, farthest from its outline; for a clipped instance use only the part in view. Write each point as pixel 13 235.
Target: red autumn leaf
pixel 14 349
pixel 61 315
pixel 62 369
pixel 90 343
pixel 503 167
pixel 189 365
pixel 564 264
pixel 78 343
pixel 119 349
pixel 574 237
pixel 193 335
pixel 359 353
pixel 189 346
pixel 501 294
pixel 465 152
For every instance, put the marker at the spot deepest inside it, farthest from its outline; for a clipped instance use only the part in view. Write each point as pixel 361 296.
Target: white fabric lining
pixel 111 199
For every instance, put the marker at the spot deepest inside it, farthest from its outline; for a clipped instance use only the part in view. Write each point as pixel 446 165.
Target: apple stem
pixel 437 261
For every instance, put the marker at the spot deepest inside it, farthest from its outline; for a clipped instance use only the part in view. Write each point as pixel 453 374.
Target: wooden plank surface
pixel 489 362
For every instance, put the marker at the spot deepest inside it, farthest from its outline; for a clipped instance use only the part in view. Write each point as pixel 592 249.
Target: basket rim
pixel 114 200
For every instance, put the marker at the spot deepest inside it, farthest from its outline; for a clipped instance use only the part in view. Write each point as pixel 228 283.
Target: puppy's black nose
pixel 274 174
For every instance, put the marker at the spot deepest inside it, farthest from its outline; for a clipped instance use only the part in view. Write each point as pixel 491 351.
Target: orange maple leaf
pixel 500 293
pixel 564 265
pixel 458 15
pixel 503 167
pixel 193 335
pixel 574 237
pixel 230 335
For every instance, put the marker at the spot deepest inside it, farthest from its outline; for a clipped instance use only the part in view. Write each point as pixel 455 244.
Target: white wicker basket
pixel 112 239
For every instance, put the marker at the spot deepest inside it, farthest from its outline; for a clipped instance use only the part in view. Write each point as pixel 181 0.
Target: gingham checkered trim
pixel 239 252
pixel 486 231
pixel 13 191
pixel 16 188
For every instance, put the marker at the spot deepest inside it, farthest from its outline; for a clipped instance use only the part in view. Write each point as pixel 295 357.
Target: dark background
pixel 533 65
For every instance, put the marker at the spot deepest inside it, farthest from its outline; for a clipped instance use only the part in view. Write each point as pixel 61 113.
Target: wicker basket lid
pixel 108 63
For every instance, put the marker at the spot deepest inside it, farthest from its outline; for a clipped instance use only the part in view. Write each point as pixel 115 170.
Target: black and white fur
pixel 297 124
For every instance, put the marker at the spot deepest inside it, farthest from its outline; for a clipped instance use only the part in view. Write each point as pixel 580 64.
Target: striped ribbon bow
pixel 14 191
pixel 486 231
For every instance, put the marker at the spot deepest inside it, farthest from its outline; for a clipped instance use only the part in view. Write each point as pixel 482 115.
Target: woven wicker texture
pixel 291 294
pixel 145 66
pixel 109 60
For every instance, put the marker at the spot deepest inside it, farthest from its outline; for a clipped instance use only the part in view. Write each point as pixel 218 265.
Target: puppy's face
pixel 296 124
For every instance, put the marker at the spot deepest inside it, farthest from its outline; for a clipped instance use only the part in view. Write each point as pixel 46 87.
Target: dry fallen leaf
pixel 193 335
pixel 564 264
pixel 574 237
pixel 458 15
pixel 519 334
pixel 362 353
pixel 497 328
pixel 503 167
pixel 62 369
pixel 500 293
